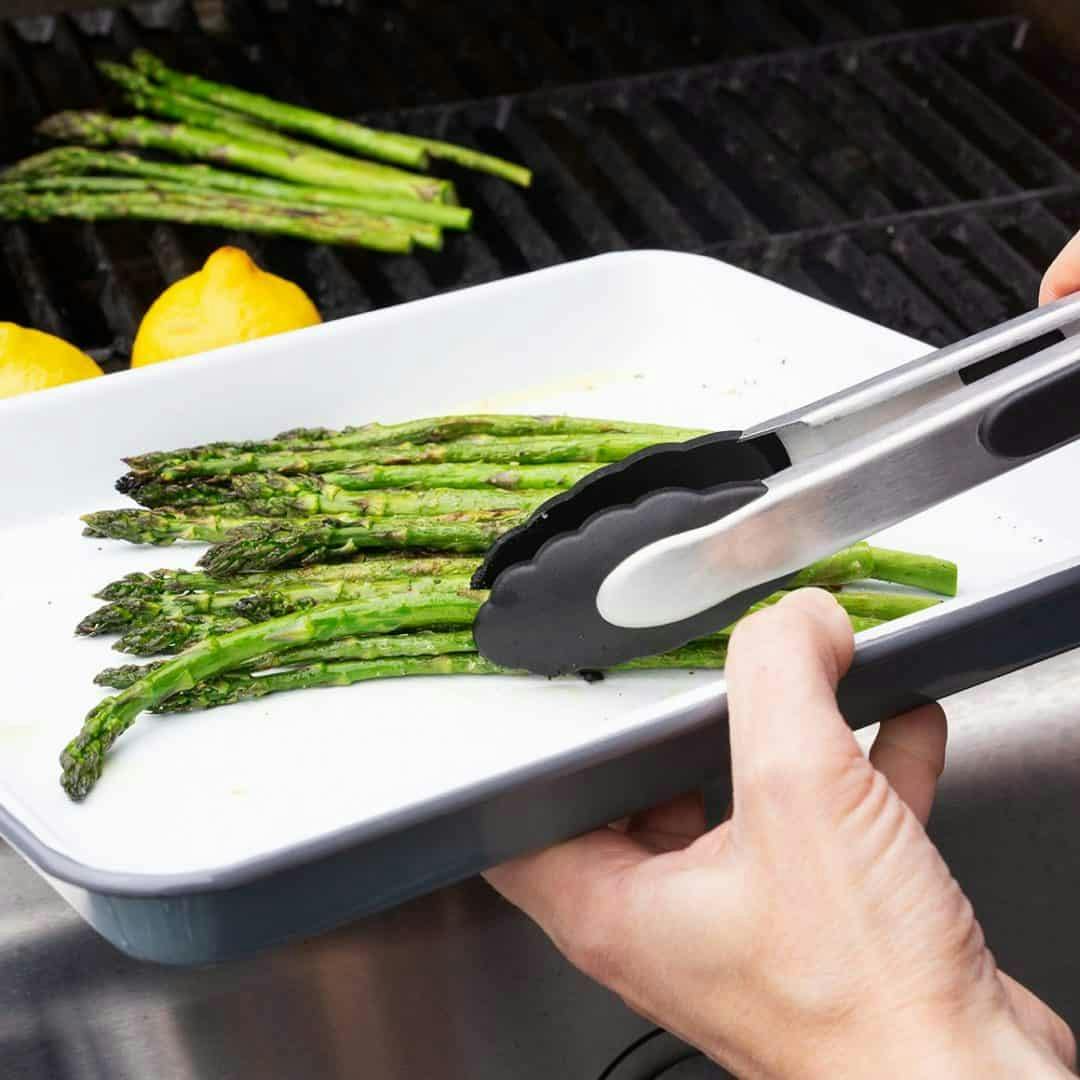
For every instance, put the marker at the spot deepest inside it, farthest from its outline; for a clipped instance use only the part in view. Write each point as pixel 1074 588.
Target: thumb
pixel 787 734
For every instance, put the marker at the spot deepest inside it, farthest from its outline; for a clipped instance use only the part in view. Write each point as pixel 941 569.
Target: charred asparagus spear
pixel 421 643
pixel 348 228
pixel 152 492
pixel 382 504
pixel 294 544
pixel 340 536
pixel 338 132
pixel 363 567
pixel 489 449
pixel 431 430
pixel 230 688
pixel 78 161
pixel 120 615
pixel 84 757
pixel 189 141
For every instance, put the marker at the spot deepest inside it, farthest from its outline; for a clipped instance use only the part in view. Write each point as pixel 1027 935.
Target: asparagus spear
pixel 268 547
pixel 151 492
pixel 125 188
pixel 233 687
pixel 364 567
pixel 922 571
pixel 384 145
pixel 309 122
pixel 189 141
pixel 173 102
pixel 162 528
pixel 883 605
pixel 430 430
pixel 223 211
pixel 84 757
pixel 425 642
pixel 421 643
pixel 386 503
pixel 80 161
pixel 489 449
pixel 472 159
pixel 119 615
pixel 172 635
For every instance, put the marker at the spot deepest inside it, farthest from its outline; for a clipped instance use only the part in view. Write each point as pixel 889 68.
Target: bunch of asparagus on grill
pixel 370 190
pixel 342 556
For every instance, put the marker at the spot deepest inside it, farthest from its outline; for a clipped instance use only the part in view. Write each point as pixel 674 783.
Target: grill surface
pixel 921 176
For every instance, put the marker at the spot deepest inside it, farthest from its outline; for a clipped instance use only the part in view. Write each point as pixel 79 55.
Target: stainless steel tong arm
pixel 867 406
pixel 959 439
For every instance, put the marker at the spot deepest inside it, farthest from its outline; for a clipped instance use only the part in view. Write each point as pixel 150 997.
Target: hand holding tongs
pixel 679 540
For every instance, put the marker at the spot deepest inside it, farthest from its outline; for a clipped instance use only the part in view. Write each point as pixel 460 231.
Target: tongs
pixel 677 541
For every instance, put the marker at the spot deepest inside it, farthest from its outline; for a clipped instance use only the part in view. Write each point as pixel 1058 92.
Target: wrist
pixel 935 1050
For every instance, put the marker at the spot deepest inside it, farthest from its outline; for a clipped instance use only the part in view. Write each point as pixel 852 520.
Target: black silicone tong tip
pixel 696 465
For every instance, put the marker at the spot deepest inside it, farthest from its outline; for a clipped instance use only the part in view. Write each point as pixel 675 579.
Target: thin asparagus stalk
pixel 846 565
pixel 883 605
pixel 151 492
pixel 349 221
pixel 426 643
pixel 364 567
pixel 337 132
pixel 72 161
pixel 387 503
pixel 472 159
pixel 384 145
pixel 83 758
pixel 430 430
pixel 165 636
pixel 492 450
pixel 849 564
pixel 120 615
pixel 189 141
pixel 231 688
pixel 172 633
pixel 222 211
pixel 162 528
pixel 181 104
pixel 144 95
pixel 921 571
pixel 459 475
pixel 292 544
pixel 421 643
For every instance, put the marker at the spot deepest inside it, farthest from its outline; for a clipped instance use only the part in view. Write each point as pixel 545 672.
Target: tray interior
pixel 647 335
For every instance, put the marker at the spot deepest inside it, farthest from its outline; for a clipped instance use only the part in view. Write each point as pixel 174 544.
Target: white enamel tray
pixel 216 832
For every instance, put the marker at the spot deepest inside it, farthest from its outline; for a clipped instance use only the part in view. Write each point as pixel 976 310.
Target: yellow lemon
pixel 229 300
pixel 33 360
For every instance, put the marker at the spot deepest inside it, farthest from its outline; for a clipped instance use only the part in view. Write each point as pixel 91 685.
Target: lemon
pixel 34 360
pixel 229 300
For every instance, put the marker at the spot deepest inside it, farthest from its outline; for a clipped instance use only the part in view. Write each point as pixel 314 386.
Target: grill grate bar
pixel 881 174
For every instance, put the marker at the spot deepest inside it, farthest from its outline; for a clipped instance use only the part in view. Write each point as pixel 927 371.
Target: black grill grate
pixel 921 177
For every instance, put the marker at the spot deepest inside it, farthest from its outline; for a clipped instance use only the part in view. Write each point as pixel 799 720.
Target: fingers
pixel 572 890
pixel 1063 277
pixel 910 751
pixel 670 826
pixel 782 670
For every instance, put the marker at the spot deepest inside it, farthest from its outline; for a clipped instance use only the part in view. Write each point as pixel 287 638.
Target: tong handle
pixel 828 501
pixel 869 405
